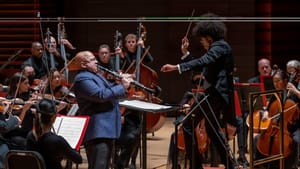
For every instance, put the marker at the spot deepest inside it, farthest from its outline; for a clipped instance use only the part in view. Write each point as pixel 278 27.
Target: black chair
pixel 20 159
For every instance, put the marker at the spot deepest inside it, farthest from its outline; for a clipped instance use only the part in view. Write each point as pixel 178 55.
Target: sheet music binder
pixel 72 128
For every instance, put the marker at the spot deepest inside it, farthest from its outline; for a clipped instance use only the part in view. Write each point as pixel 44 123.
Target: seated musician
pixel 263 142
pixel 59 91
pixel 52 147
pixel 29 72
pixel 7 124
pixel 19 88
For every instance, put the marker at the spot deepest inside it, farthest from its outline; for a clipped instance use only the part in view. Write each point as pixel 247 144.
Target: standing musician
pixel 291 118
pixel 104 56
pixel 98 98
pixel 218 67
pixel 131 44
pixel 129 140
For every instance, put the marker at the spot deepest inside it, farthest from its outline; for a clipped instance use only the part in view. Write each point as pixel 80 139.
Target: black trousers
pixel 98 153
pixel 129 140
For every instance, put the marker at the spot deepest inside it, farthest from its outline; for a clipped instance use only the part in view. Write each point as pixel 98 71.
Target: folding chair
pixel 20 159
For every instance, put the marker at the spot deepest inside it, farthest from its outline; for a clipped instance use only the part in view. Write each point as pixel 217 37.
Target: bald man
pixel 98 98
pixel 264 69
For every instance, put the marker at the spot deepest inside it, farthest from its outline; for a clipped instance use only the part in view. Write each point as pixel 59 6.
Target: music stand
pixel 144 107
pixel 244 89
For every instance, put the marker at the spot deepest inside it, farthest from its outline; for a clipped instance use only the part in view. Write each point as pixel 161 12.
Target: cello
pixel 269 141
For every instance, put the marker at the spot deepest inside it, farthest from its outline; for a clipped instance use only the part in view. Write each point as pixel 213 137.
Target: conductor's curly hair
pixel 210 27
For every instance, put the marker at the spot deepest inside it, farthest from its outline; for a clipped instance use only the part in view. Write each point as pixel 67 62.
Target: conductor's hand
pixel 184 45
pixel 168 68
pixel 126 82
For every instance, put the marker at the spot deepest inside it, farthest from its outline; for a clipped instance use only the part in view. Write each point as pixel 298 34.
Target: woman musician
pixel 19 88
pixel 268 141
pixel 59 92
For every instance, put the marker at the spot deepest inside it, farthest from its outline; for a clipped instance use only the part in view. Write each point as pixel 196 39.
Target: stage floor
pixel 158 147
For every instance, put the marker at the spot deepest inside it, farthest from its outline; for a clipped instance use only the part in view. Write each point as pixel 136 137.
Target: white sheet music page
pixel 144 105
pixel 71 128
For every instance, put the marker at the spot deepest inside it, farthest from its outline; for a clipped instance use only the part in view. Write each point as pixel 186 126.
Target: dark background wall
pixel 249 40
pixel 164 38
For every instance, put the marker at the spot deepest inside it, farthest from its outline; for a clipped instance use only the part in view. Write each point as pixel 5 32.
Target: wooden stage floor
pixel 157 149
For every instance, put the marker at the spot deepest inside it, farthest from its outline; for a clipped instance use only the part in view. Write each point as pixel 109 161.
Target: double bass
pixel 149 78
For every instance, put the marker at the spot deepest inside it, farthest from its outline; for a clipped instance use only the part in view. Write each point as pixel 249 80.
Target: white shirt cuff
pixel 178 67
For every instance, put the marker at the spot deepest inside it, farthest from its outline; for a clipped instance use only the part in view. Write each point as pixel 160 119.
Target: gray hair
pixel 293 63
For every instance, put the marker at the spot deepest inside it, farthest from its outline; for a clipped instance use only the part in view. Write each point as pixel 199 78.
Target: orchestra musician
pixel 29 72
pixel 280 81
pixel 59 91
pixel 264 69
pixel 19 88
pixel 52 48
pixel 42 137
pixel 104 57
pixel 129 141
pixel 37 61
pixel 218 67
pixel 7 123
pixel 98 98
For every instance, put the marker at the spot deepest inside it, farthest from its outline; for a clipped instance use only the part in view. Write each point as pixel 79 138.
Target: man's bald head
pixel 264 67
pixel 83 60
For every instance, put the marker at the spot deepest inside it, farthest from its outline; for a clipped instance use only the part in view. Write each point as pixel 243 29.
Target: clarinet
pixel 156 91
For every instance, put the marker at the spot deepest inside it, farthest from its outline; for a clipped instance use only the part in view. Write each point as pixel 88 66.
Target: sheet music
pixel 71 128
pixel 137 104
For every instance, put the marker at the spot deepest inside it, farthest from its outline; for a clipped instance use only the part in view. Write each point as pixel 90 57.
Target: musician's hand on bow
pixel 265 116
pixel 168 68
pixel 184 45
pixel 5 106
pixel 292 89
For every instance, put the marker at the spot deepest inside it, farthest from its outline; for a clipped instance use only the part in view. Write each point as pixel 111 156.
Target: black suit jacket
pixel 218 67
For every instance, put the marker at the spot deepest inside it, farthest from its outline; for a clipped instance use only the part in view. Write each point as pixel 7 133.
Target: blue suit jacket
pixel 98 98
